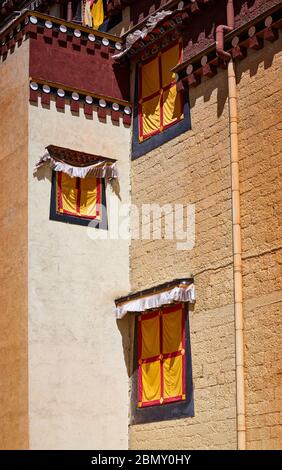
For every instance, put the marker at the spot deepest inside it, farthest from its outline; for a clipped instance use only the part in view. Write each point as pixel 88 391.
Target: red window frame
pixel 160 92
pixel 161 357
pixel 60 208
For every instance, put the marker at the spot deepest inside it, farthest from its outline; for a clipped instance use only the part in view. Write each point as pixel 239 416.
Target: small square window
pixel 79 197
pixel 78 200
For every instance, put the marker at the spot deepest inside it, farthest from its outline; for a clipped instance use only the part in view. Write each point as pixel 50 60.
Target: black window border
pixel 155 141
pixel 167 411
pixel 69 219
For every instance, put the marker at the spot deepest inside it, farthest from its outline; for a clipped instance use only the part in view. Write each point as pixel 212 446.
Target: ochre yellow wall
pixel 195 168
pixel 13 254
pixel 260 113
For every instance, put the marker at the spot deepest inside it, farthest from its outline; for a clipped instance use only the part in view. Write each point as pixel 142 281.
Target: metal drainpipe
pixel 69 11
pixel 236 228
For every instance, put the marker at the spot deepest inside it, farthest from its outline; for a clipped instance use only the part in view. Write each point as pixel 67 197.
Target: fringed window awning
pixel 177 291
pixel 78 164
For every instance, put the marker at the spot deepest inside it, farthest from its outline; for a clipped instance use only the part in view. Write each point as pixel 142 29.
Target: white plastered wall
pixel 78 382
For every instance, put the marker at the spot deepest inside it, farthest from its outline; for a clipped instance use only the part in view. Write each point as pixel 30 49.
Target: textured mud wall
pixel 194 169
pixel 13 254
pixel 260 113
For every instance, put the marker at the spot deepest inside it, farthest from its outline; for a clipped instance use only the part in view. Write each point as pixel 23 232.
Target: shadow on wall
pixel 266 55
pixel 126 329
pixel 200 30
pixel 209 85
pixel 115 187
pixel 207 88
pixel 43 172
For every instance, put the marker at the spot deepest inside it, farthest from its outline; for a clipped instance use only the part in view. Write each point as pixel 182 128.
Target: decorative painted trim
pixel 173 23
pixel 157 39
pixel 32 23
pixel 252 35
pixel 77 99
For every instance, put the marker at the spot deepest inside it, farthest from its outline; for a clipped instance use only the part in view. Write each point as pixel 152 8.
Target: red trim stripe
pixel 78 198
pixel 184 355
pixel 172 399
pixel 150 359
pixel 60 198
pixel 140 109
pixel 161 358
pixel 150 134
pixel 98 197
pixel 161 93
pixel 165 356
pixel 157 402
pixel 172 354
pixel 139 338
pixel 150 403
pixel 90 217
pixel 140 384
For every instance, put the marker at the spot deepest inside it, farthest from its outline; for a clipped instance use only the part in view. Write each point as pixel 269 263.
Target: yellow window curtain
pixel 160 105
pixel 150 337
pixel 173 377
pixel 151 390
pixel 150 78
pixel 67 194
pixel 97 13
pixel 161 356
pixel 89 203
pixel 94 13
pixel 172 331
pixel 79 197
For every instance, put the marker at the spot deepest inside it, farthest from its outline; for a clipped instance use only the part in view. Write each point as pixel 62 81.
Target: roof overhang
pixel 251 35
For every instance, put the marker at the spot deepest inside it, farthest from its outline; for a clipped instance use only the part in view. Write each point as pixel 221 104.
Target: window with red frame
pixel 160 106
pixel 79 197
pixel 162 356
pixel 79 201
